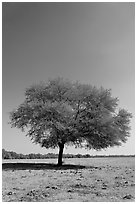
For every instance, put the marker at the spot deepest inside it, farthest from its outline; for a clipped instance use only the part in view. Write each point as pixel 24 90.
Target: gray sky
pixel 90 42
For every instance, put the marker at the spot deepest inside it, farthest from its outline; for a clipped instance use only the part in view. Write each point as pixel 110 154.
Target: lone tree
pixel 61 113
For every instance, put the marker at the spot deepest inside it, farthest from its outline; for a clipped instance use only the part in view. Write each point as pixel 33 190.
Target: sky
pixel 91 42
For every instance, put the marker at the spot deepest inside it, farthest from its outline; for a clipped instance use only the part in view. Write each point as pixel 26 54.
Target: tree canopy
pixel 61 112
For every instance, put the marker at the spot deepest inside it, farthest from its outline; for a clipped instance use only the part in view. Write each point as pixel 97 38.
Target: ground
pixel 90 180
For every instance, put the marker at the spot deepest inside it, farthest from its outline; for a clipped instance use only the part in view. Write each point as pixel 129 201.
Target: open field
pixel 79 179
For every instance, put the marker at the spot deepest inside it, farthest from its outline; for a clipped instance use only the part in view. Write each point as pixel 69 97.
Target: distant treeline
pixel 14 155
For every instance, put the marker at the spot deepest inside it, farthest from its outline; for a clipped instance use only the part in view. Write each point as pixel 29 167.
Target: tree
pixel 61 113
pixel 6 155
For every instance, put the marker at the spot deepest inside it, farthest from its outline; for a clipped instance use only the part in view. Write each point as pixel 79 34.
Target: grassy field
pixel 78 180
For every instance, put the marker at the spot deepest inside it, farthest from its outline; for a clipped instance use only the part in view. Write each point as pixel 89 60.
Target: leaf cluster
pixel 73 114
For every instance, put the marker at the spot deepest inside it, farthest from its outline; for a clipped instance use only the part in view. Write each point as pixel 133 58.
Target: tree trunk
pixel 61 147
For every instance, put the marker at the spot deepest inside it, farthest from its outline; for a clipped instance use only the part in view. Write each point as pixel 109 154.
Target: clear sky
pixel 89 42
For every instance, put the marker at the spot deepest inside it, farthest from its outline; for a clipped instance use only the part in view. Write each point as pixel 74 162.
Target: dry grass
pixel 91 180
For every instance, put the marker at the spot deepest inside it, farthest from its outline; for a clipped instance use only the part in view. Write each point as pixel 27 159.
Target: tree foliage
pixel 62 112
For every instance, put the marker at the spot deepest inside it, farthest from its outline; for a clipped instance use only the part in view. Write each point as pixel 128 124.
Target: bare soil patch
pixel 78 180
